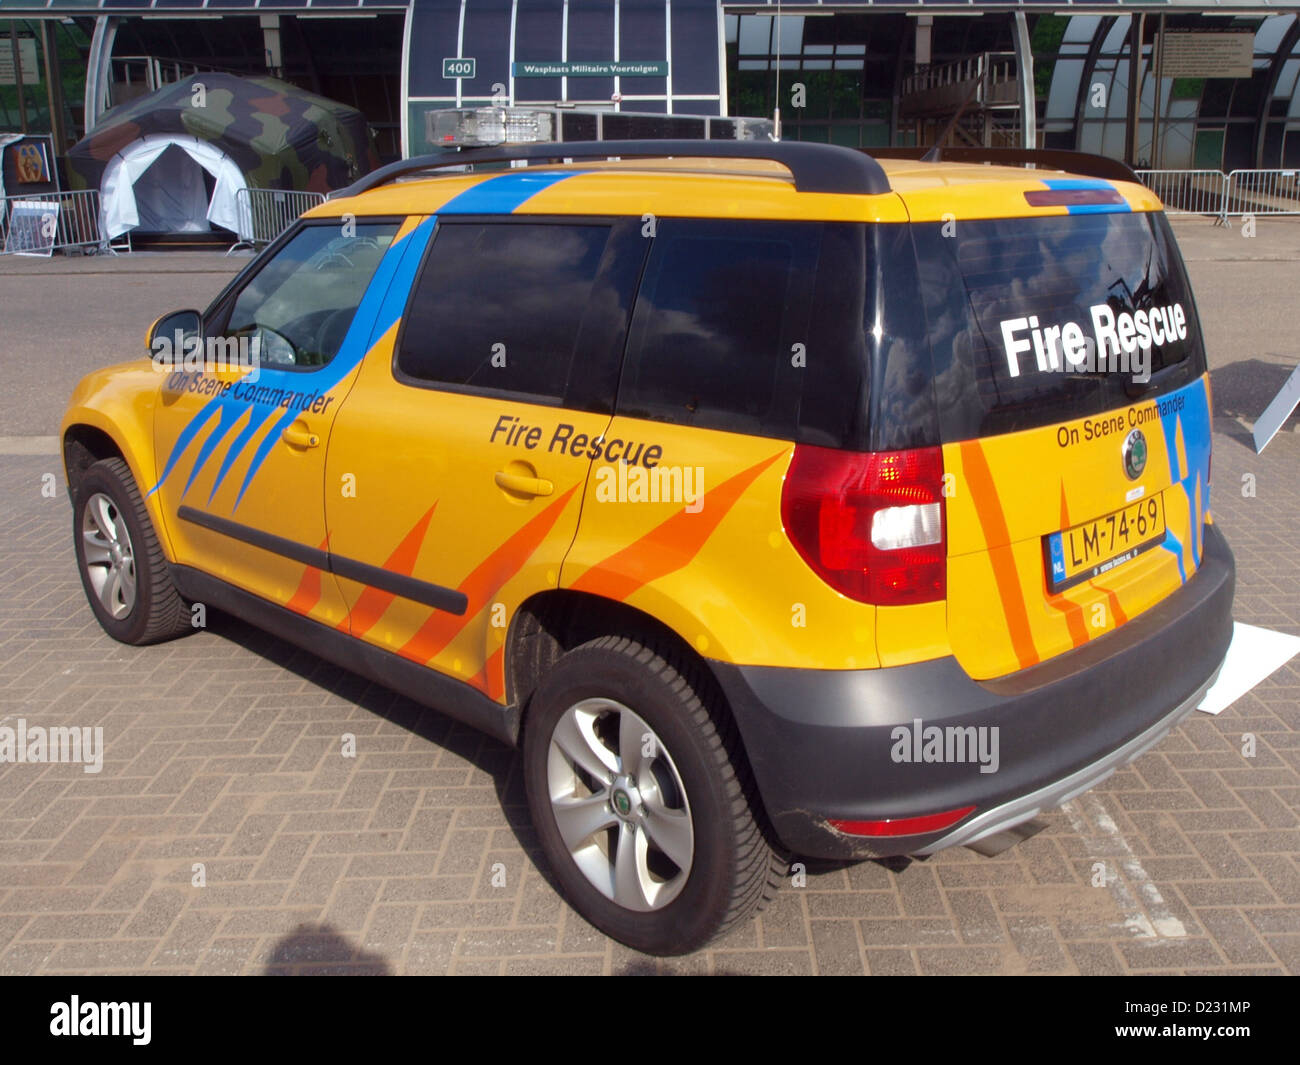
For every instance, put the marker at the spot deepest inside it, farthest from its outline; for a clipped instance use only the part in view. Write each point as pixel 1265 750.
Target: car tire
pixel 122 566
pixel 633 771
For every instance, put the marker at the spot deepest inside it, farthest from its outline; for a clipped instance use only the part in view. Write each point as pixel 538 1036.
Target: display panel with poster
pixel 27 168
pixel 27 164
pixel 33 227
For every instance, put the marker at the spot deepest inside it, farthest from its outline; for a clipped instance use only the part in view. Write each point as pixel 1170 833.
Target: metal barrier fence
pixel 1261 192
pixel 43 222
pixel 266 213
pixel 1223 196
pixel 1187 191
pixel 72 219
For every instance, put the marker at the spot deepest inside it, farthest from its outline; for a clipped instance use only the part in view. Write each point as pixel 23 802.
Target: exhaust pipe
pixel 992 845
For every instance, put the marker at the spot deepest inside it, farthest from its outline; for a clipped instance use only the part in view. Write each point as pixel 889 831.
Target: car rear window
pixel 1035 321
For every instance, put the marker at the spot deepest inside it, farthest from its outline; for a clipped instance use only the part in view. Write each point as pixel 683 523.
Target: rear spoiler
pixel 1098 166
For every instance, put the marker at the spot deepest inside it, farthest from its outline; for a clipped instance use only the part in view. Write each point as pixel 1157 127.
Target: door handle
pixel 298 435
pixel 524 486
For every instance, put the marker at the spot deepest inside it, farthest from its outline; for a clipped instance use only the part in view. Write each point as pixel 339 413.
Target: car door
pixel 458 465
pixel 747 335
pixel 241 440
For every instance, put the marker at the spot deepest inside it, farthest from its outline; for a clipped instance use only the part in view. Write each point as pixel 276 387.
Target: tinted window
pixel 298 307
pixel 1004 298
pixel 752 327
pixel 535 311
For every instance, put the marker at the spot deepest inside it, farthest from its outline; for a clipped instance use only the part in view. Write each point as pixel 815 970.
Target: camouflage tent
pixel 149 157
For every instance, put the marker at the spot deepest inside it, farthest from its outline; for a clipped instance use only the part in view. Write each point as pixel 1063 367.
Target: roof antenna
pixel 776 110
pixel 935 153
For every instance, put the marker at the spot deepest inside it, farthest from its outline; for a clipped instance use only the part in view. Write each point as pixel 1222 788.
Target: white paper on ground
pixel 1277 412
pixel 1253 654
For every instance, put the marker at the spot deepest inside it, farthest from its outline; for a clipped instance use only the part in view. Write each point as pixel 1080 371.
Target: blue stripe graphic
pixel 365 330
pixel 229 416
pixel 501 195
pixel 1088 185
pixel 1195 418
pixel 1075 184
pixel 1172 545
pixel 256 419
pixel 375 316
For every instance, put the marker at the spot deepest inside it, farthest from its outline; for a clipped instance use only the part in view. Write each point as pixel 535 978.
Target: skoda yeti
pixel 773 499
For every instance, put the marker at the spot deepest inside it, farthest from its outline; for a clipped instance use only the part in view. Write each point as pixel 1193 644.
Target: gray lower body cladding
pixel 824 744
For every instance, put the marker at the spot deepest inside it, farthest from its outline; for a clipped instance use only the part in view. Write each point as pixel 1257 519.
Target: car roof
pixel 729 188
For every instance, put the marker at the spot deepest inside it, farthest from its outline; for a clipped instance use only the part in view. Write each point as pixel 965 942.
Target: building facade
pixel 1172 84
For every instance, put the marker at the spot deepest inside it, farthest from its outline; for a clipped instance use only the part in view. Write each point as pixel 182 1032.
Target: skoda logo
pixel 1135 454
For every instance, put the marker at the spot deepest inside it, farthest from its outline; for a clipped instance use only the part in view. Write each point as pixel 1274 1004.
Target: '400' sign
pixel 459 68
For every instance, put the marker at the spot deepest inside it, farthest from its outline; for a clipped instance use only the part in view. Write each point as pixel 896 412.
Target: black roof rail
pixel 1098 166
pixel 815 167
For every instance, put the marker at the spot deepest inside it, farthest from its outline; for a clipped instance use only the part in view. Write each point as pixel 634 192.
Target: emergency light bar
pixel 480 127
pixel 492 126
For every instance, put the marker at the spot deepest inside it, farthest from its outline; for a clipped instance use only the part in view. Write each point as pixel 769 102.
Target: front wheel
pixel 122 566
pixel 640 794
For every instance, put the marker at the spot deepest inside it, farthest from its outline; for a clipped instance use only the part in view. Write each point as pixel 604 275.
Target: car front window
pixel 298 307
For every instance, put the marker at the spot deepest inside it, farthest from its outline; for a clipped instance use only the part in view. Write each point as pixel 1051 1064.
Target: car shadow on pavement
pixel 483 752
pixel 1241 391
pixel 317 949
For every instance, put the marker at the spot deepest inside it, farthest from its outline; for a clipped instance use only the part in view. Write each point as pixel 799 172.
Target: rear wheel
pixel 120 560
pixel 641 797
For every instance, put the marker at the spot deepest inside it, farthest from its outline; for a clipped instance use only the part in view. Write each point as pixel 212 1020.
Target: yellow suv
pixel 775 498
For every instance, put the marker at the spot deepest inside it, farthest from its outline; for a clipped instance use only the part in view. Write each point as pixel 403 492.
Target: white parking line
pixel 1146 914
pixel 29 445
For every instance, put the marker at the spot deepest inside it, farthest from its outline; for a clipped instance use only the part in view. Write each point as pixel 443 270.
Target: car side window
pixel 536 311
pixel 298 307
pixel 720 312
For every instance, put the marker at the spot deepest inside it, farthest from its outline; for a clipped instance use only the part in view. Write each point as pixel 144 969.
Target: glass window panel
pixel 755 34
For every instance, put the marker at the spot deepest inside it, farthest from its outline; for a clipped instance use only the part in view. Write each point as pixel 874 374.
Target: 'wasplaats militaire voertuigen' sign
pixel 591 68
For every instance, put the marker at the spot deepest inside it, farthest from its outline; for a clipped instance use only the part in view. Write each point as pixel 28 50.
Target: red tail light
pixel 870 524
pixel 903 826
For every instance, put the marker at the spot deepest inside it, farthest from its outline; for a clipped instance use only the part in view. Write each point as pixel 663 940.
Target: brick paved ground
pixel 223 749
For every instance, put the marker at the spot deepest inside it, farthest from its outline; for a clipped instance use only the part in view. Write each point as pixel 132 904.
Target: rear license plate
pixel 1095 547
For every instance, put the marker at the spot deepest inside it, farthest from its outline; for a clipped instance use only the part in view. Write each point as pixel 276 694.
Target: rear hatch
pixel 1073 412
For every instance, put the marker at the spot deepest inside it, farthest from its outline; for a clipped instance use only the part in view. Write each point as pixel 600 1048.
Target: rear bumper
pixel 827 744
